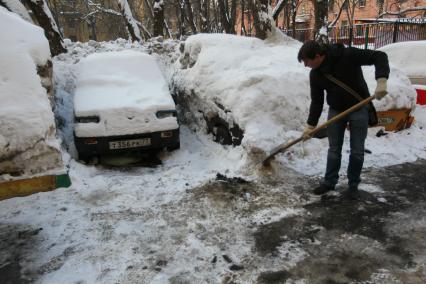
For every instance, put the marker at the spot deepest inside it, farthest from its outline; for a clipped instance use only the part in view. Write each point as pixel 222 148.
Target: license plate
pixel 134 143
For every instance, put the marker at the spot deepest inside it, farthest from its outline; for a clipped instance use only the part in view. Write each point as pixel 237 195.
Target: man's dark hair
pixel 309 49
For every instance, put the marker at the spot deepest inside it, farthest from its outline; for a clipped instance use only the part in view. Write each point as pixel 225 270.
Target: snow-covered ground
pixel 136 225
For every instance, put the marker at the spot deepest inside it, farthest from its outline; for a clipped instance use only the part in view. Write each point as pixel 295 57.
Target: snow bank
pixel 261 83
pixel 125 89
pixel 24 37
pixel 408 56
pixel 27 130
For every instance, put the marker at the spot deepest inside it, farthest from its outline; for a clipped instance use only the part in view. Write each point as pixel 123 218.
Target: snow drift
pixel 261 85
pixel 28 144
pixel 408 56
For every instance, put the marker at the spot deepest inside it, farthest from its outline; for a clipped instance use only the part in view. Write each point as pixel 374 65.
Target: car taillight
pixel 90 141
pixel 87 119
pixel 166 113
pixel 166 134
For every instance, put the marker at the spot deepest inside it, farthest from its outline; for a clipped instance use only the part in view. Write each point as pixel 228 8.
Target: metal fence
pixel 368 36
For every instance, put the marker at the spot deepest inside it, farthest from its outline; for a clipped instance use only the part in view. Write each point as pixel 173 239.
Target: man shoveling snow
pixel 337 70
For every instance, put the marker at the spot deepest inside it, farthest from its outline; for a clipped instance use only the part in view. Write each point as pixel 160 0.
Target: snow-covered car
pixel 410 57
pixel 255 93
pixel 122 103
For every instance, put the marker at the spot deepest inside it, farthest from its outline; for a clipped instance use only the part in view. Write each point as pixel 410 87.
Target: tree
pixel 205 16
pixel 131 24
pixel 321 22
pixel 44 18
pixel 261 19
pixel 158 17
pixel 190 16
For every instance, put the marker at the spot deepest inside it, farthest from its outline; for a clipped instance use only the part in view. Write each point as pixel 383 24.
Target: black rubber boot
pixel 352 193
pixel 322 189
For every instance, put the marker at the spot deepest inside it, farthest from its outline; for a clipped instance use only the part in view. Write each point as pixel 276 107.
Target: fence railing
pixel 368 36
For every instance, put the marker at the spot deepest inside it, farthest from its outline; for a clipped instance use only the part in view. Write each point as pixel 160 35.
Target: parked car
pixel 409 56
pixel 122 103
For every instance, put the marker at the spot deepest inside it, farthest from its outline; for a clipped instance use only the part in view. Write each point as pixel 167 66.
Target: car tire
pixel 174 147
pixel 85 158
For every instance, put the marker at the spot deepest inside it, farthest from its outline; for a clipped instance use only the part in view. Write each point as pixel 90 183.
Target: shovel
pixel 284 146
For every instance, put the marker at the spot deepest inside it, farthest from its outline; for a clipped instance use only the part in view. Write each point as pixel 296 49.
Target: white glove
pixel 306 132
pixel 381 89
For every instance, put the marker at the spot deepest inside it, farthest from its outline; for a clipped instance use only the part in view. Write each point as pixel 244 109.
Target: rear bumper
pixel 102 145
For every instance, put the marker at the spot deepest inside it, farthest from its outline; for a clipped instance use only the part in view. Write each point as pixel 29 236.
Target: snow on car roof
pixel 408 56
pixel 118 79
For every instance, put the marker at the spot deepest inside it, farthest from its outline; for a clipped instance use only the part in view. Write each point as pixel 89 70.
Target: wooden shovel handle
pixel 284 146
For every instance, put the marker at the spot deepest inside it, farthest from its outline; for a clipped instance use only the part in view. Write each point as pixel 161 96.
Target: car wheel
pixel 85 158
pixel 221 135
pixel 174 147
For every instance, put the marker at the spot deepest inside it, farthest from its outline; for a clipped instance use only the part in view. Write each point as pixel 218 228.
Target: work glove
pixel 381 89
pixel 306 132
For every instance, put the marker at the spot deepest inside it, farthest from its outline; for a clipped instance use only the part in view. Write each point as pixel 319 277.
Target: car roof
pixel 123 79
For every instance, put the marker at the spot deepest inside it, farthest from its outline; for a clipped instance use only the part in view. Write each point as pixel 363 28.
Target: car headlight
pixel 87 119
pixel 166 113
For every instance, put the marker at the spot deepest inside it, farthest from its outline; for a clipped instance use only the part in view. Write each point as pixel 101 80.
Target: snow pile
pixel 27 129
pixel 262 86
pixel 125 89
pixel 408 56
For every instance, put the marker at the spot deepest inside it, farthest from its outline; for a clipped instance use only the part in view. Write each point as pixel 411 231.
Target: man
pixel 344 64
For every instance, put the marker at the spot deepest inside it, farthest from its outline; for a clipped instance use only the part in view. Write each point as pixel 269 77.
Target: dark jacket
pixel 344 64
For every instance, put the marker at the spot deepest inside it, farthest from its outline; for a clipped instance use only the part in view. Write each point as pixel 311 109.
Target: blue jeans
pixel 358 125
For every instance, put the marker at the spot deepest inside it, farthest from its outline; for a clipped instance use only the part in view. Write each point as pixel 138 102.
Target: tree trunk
pixel 321 9
pixel 233 16
pixel 262 22
pixel 131 25
pixel 181 5
pixel 205 16
pixel 224 19
pixel 278 8
pixel 158 17
pixel 190 16
pixel 42 15
pixel 243 27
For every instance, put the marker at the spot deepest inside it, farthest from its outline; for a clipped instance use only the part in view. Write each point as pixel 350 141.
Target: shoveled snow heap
pixel 27 130
pixel 408 56
pixel 119 85
pixel 263 85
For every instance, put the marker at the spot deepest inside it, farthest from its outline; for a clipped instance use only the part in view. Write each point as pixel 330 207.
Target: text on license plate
pixel 130 143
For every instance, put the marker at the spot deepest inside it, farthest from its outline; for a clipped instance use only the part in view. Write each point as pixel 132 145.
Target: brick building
pixel 365 11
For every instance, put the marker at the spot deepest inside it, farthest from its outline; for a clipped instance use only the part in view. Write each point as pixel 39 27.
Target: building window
pixel 345 5
pixel 362 3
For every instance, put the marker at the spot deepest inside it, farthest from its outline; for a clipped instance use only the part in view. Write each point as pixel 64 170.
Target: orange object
pixel 395 119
